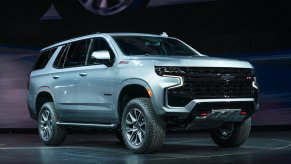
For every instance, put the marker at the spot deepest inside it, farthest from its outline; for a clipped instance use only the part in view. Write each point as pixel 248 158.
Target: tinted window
pixel 44 58
pixel 77 53
pixel 99 44
pixel 60 59
pixel 148 45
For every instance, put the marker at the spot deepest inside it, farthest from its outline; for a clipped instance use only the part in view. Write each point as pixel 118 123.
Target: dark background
pixel 256 31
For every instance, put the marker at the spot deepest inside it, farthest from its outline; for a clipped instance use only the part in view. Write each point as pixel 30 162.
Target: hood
pixel 193 61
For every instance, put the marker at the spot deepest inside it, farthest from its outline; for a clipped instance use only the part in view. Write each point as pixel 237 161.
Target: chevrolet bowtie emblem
pixel 227 77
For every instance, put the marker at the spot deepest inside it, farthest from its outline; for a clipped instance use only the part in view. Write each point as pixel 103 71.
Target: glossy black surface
pixel 103 147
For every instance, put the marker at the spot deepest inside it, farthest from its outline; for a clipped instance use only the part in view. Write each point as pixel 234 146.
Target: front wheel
pixel 142 130
pixel 231 134
pixel 50 133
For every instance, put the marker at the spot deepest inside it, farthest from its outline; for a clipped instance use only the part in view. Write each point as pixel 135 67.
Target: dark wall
pixel 213 27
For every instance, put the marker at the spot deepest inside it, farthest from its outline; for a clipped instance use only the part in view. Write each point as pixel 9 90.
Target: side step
pixel 87 125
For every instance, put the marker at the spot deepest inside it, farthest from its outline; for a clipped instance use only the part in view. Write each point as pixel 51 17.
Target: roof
pixel 96 35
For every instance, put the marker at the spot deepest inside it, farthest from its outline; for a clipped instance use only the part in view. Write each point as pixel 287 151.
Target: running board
pixel 87 125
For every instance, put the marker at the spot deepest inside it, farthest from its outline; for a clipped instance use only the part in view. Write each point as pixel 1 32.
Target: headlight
pixel 255 84
pixel 167 70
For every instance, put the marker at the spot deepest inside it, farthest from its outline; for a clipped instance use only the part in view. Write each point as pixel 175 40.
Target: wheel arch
pixel 42 97
pixel 130 89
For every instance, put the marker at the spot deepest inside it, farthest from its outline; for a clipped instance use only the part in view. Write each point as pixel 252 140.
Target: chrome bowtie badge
pixel 227 77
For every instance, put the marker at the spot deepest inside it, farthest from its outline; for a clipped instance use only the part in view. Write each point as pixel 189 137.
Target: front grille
pixel 208 82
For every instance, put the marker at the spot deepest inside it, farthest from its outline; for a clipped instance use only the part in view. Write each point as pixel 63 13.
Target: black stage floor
pixel 103 147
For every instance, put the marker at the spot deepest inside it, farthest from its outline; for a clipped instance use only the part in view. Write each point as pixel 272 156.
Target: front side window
pixel 149 45
pixel 99 44
pixel 77 53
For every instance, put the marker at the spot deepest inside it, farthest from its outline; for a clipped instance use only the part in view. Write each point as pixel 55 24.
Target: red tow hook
pixel 243 113
pixel 203 114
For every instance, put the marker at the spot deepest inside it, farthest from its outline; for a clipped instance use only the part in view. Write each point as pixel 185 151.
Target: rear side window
pixel 60 59
pixel 77 53
pixel 44 58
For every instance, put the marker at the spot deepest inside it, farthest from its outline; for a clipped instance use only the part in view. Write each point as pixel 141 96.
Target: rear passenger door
pixel 95 86
pixel 64 79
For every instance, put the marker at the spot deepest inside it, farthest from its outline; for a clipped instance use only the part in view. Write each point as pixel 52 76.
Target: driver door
pixel 95 86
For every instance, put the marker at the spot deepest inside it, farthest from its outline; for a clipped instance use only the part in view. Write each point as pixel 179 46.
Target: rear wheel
pixel 49 132
pixel 142 130
pixel 231 134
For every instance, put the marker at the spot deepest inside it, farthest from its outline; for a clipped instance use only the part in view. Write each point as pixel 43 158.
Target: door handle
pixel 83 74
pixel 56 77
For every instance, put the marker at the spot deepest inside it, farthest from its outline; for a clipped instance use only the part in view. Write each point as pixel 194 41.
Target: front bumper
pixel 219 110
pixel 210 104
pixel 211 113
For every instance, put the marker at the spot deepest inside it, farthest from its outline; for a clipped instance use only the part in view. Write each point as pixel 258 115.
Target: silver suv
pixel 137 84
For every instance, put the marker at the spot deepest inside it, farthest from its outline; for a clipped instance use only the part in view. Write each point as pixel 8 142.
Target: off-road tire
pixel 58 133
pixel 154 127
pixel 238 136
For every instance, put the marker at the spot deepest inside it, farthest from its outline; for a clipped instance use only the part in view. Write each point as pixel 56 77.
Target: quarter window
pixel 44 58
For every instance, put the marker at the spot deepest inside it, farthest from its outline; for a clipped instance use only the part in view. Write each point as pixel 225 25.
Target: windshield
pixel 148 45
